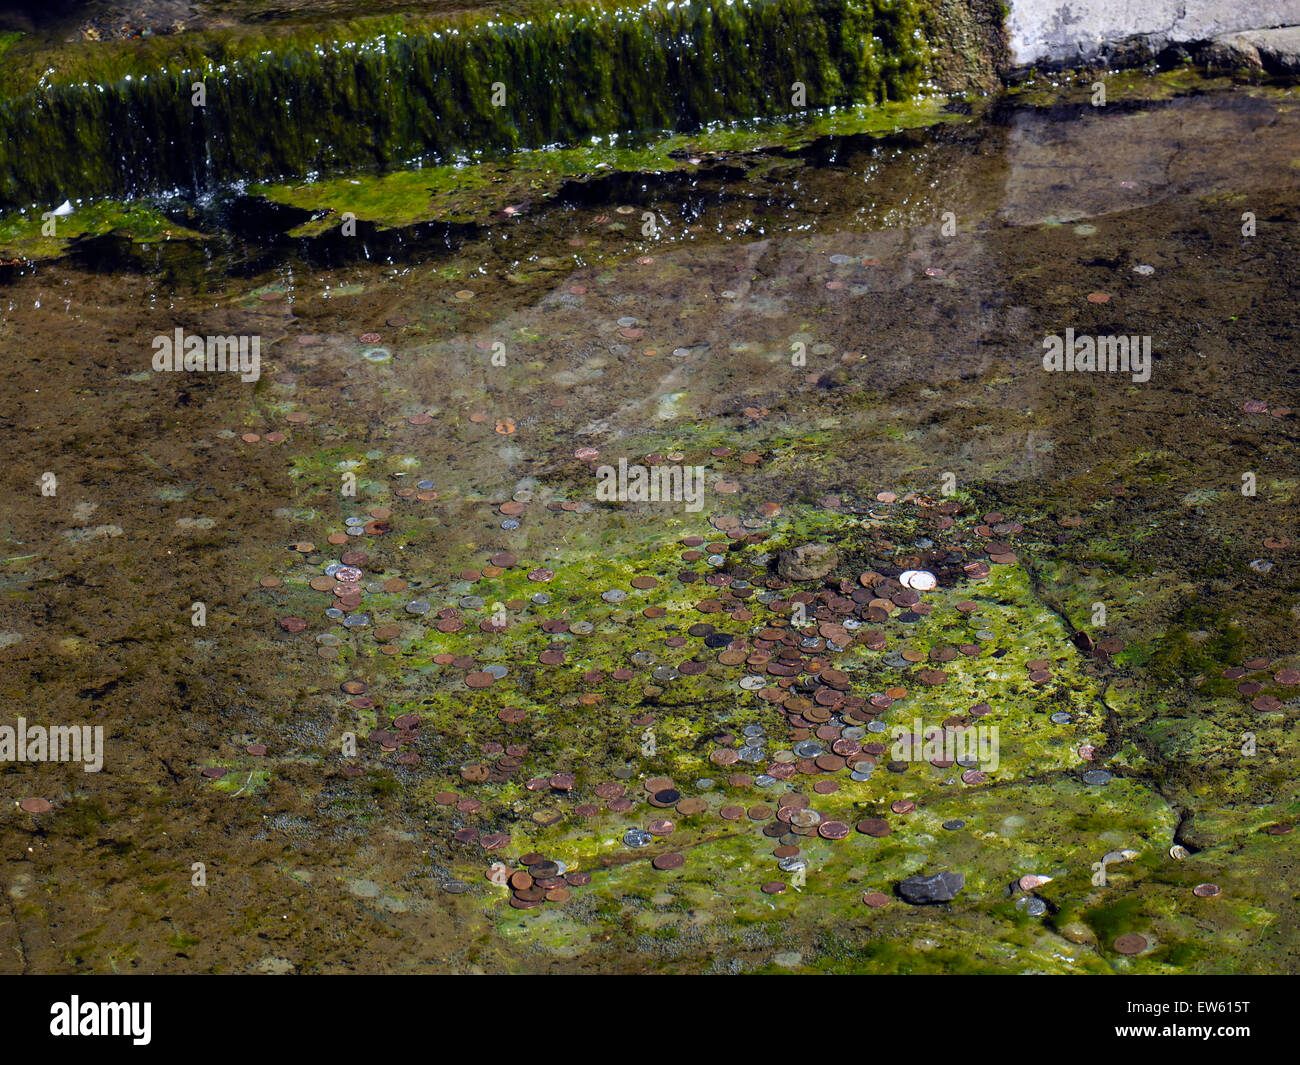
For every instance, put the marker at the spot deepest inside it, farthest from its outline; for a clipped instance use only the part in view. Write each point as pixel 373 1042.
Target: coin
pixel 1207 891
pixel 40 806
pixel 1131 943
pixel 664 862
pixel 875 899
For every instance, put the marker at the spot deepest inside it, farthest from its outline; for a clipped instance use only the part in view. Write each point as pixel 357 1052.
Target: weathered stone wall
pixel 1068 30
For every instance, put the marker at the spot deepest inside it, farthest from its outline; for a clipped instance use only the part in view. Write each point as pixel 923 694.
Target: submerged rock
pixel 940 887
pixel 809 562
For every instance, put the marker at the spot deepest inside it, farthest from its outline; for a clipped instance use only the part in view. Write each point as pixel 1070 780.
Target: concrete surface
pixel 1063 31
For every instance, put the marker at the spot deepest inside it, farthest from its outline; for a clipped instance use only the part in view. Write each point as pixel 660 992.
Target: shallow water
pixel 922 358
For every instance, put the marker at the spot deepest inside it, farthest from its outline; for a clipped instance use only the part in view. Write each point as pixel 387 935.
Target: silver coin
pixel 861 773
pixel 853 732
pixel 418 606
pixel 510 524
pixel 764 781
pixel 541 598
pixel 497 671
pixel 356 530
pixel 716 560
pixel 425 484
pixel 636 837
pixel 665 673
pixel 767 597
pixel 805 818
pixel 354 519
pixel 851 624
pixel 704 784
pixel 876 726
pixel 953 826
pixel 374 587
pixel 1033 907
pixel 357 621
pixel 984 635
pixel 626 321
pixel 334 612
pixel 376 354
pixel 614 595
pixel 619 349
pixel 967 763
pixel 750 754
pixel 741 584
pixel 1096 776
pixel 643 658
pixel 896 661
pixel 809 749
pixel 754 730
pixel 924 544
pixel 470 602
pixel 792 864
pixel 333 568
pixel 582 628
pixel 328 639
pixel 1261 565
pixel 1061 718
pixel 753 683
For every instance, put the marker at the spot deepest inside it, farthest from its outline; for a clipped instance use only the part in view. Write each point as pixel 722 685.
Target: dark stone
pixel 923 890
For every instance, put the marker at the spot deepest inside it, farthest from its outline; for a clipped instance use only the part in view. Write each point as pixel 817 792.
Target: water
pixel 921 347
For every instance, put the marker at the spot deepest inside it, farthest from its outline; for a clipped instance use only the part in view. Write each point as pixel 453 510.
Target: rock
pixel 922 890
pixel 809 562
pixel 1275 51
pixel 789 960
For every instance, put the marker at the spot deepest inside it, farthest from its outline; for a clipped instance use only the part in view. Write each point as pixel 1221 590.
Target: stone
pixel 1275 51
pixel 809 562
pixel 923 890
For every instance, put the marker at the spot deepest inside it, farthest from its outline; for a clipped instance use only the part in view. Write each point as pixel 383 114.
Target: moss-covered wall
pixel 117 120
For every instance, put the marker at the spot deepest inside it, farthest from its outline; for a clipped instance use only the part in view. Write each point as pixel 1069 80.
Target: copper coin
pixel 660 827
pixel 1098 297
pixel 479 680
pixel 732 813
pixel 873 826
pixel 832 830
pixel 1206 891
pixel 256 749
pixel 1287 676
pixel 44 806
pixel 902 806
pixel 664 862
pixel 1131 943
pixel 875 899
pixel 773 887
pixel 292 624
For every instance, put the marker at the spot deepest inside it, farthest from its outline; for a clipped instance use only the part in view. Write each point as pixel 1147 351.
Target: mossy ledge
pixel 118 120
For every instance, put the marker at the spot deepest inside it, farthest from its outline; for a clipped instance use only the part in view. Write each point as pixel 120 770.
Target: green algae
pixel 26 235
pixel 477 192
pixel 115 121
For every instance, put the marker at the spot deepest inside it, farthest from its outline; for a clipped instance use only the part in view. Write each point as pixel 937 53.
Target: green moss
pixel 119 120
